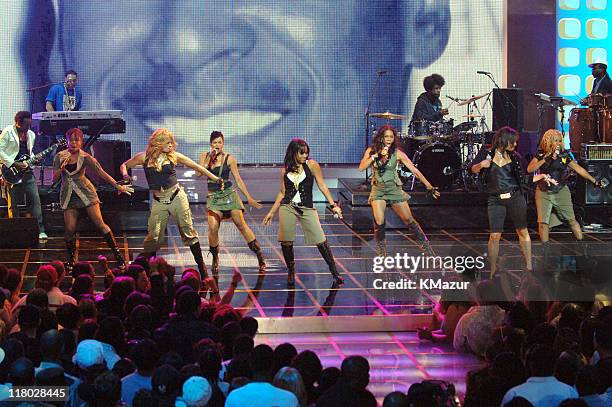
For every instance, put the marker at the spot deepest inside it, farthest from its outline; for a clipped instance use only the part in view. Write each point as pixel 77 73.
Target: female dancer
pixel 169 199
pixel 554 202
pixel 295 202
pixel 226 203
pixel 383 156
pixel 504 178
pixel 78 192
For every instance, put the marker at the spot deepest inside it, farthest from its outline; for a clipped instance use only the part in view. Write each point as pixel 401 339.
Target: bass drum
pixel 440 164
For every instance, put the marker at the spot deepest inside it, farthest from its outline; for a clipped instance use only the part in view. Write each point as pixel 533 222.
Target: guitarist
pixel 16 141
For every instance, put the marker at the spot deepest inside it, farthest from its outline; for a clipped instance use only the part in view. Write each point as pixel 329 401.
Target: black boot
pixel 196 251
pixel 255 248
pixel 326 252
pixel 214 267
pixel 289 261
pixel 70 255
pixel 424 245
pixel 109 238
pixel 381 239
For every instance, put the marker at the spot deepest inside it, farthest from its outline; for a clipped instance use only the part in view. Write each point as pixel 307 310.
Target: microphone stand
pixel 33 91
pixel 367 119
pixel 31 94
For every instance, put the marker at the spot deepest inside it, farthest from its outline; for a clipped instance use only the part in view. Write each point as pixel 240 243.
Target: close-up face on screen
pixel 264 72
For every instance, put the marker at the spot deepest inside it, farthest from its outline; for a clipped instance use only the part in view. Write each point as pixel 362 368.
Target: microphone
pixel 381 72
pixel 213 157
pixel 128 180
pixel 483 72
pixel 453 99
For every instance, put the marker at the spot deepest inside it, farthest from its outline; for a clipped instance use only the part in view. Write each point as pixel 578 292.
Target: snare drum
pixel 440 164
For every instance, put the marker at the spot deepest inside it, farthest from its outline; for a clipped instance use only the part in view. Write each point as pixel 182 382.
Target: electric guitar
pixel 14 175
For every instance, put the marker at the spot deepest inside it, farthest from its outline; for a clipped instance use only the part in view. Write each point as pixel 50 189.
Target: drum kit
pixel 441 150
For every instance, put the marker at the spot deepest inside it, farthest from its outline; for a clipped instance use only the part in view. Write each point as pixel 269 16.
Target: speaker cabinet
pixel 110 154
pixel 587 193
pixel 19 233
pixel 508 108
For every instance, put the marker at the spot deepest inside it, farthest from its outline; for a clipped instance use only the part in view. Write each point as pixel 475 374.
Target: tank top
pixel 164 179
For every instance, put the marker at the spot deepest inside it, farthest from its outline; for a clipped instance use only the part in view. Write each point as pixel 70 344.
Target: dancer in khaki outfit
pixel 169 199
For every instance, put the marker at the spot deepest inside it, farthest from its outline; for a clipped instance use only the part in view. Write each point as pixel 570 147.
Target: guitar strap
pixel 4 190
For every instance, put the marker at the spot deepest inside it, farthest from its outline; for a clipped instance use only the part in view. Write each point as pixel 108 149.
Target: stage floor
pixel 267 296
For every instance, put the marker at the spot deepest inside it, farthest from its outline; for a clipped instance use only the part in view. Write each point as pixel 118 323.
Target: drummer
pixel 602 83
pixel 428 105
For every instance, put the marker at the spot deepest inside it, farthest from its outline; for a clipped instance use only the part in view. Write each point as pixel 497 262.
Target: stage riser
pixel 117 220
pixel 461 210
pixel 366 323
pixel 359 218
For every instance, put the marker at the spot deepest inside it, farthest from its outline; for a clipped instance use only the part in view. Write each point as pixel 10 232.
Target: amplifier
pixel 587 193
pixel 110 154
pixel 597 152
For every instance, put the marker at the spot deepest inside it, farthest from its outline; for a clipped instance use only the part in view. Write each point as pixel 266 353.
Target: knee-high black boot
pixel 214 267
pixel 381 239
pixel 109 238
pixel 256 248
pixel 289 261
pixel 70 254
pixel 326 252
pixel 423 242
pixel 196 251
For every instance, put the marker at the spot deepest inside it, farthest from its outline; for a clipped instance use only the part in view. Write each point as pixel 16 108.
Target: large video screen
pixel 260 71
pixel 582 38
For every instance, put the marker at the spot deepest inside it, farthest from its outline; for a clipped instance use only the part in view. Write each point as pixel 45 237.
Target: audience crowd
pixel 149 340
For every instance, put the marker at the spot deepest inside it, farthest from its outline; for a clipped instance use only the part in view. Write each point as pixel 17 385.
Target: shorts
pixel 388 192
pixel 515 207
pixel 554 207
pixel 309 220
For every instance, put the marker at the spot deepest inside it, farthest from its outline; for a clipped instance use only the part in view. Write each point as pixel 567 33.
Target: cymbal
pixel 388 115
pixel 472 99
pixel 471 116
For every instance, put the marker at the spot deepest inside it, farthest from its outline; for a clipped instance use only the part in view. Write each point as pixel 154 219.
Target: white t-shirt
pixel 297 179
pixel 542 392
pixel 261 394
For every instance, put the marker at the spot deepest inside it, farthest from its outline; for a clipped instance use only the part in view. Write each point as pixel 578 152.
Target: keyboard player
pixel 65 96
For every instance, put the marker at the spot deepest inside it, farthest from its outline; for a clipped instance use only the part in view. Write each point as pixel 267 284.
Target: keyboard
pixel 90 122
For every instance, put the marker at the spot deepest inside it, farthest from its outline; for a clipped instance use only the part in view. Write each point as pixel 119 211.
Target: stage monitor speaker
pixel 587 193
pixel 508 108
pixel 110 154
pixel 19 233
